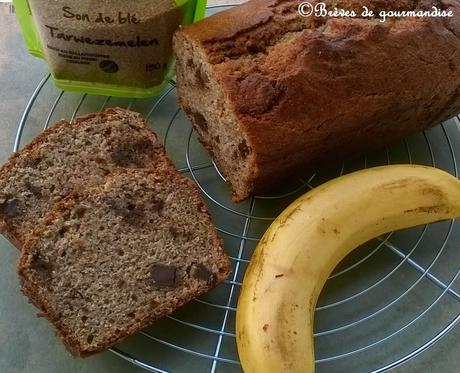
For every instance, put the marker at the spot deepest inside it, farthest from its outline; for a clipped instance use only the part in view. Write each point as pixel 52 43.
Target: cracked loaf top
pixel 323 73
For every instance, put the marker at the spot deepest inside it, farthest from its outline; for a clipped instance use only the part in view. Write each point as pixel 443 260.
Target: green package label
pixel 112 47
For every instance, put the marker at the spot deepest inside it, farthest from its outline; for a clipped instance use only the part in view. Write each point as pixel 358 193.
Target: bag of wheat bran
pixel 106 47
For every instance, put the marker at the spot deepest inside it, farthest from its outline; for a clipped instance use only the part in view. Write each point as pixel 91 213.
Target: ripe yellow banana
pixel 274 320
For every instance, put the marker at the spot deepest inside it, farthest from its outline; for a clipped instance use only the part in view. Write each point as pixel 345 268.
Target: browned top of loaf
pixel 110 260
pixel 279 69
pixel 67 157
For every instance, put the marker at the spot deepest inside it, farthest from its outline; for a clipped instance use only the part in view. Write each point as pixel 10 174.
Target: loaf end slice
pixel 201 96
pixel 68 157
pixel 111 260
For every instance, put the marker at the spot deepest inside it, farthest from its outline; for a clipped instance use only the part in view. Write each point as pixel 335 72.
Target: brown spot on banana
pixel 428 210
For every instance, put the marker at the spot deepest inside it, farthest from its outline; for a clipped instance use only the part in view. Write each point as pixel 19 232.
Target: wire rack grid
pixel 387 302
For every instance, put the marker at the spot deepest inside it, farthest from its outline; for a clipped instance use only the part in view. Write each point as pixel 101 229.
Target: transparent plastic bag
pixel 112 47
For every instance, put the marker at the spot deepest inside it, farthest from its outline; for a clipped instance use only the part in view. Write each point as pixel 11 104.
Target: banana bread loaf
pixel 68 157
pixel 110 260
pixel 272 93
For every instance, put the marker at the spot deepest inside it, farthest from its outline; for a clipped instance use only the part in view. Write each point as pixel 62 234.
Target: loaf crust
pixel 302 91
pixel 10 231
pixel 88 266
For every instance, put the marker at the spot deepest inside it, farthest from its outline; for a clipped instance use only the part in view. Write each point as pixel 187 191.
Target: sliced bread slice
pixel 68 157
pixel 109 261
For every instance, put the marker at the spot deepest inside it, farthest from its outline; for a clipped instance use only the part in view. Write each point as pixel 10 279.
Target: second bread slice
pixel 109 261
pixel 68 157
